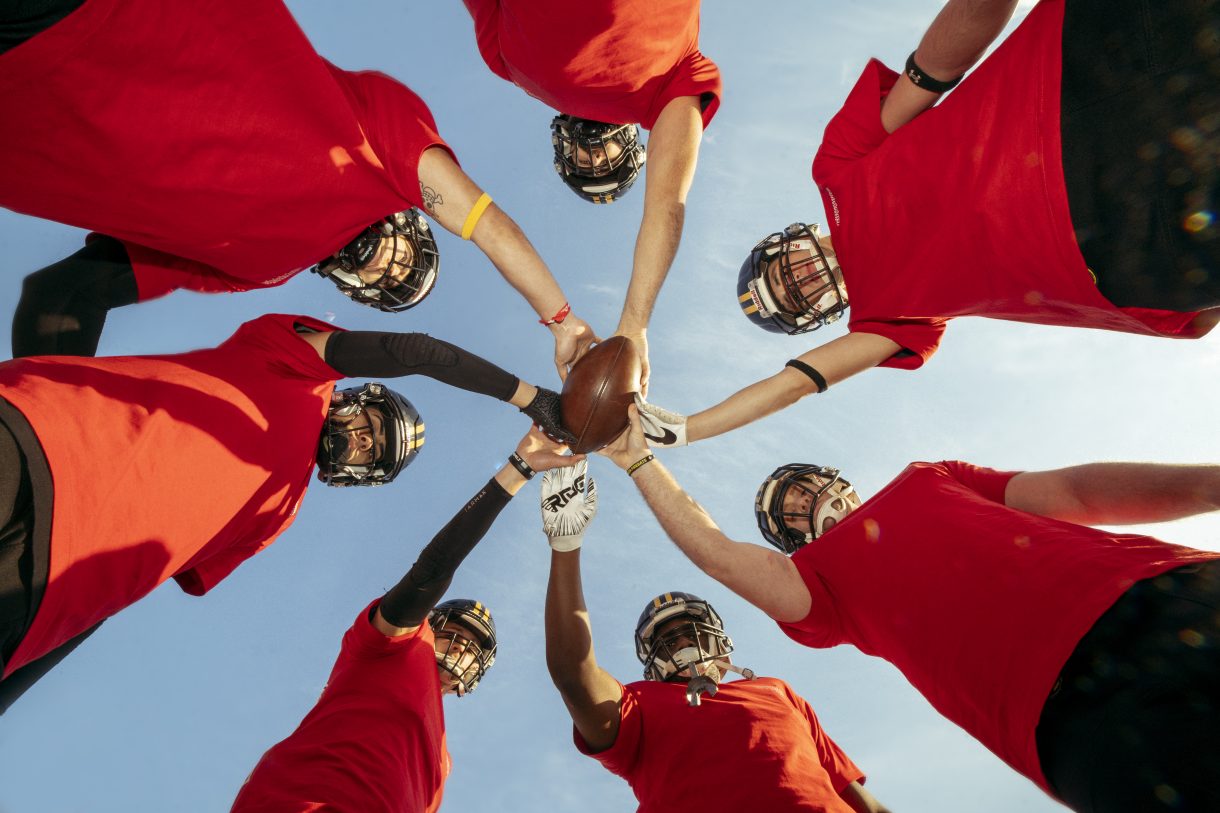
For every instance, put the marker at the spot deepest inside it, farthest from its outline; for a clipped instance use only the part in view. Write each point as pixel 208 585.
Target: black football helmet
pixel 401 436
pixel 703 637
pixel 830 497
pixel 407 277
pixel 597 161
pixel 813 284
pixel 462 656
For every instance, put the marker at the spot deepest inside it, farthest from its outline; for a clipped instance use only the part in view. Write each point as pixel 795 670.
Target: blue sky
pixel 172 703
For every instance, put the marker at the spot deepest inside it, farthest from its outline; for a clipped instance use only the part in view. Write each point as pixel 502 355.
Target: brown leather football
pixel 598 391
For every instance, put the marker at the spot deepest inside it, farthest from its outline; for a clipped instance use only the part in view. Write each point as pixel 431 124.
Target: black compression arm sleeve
pixel 408 602
pixel 63 307
pixel 362 354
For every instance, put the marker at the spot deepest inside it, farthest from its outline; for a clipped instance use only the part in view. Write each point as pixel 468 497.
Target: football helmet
pixel 830 497
pixel 462 656
pixel 812 285
pixel 681 646
pixel 409 274
pixel 597 161
pixel 394 447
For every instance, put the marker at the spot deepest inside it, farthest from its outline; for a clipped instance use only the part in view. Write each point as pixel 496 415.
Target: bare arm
pixel 592 695
pixel 765 578
pixel 956 40
pixel 1116 493
pixel 836 360
pixel 860 800
pixel 673 150
pixel 449 196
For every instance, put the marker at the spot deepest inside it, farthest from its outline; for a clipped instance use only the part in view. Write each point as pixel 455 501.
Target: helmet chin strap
pixel 708 677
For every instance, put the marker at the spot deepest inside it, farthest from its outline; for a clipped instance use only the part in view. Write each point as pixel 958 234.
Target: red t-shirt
pixel 756 745
pixel 373 743
pixel 209 137
pixel 977 604
pixel 182 465
pixel 964 211
pixel 617 61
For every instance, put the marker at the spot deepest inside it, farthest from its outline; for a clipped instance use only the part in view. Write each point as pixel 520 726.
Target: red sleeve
pixel 695 75
pixel 919 339
pixel 838 765
pixel 621 757
pixel 275 338
pixel 398 124
pixel 158 274
pixel 988 483
pixel 486 14
pixel 856 129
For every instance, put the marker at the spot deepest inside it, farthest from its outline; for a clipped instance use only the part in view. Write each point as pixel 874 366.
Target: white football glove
pixel 661 427
pixel 569 502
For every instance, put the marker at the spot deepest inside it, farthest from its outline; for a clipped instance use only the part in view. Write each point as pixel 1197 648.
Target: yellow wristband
pixel 472 219
pixel 637 465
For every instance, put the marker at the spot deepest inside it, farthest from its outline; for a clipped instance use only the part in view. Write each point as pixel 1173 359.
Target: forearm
pixel 673 152
pixel 407 603
pixel 569 637
pixel 511 252
pixel 961 34
pixel 655 249
pixel 750 404
pixel 360 354
pixel 686 523
pixel 1117 493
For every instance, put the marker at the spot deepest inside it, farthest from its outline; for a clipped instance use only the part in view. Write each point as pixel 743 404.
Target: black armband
pixel 924 82
pixel 364 354
pixel 407 603
pixel 813 374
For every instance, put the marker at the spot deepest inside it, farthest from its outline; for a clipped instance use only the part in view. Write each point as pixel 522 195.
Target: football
pixel 599 388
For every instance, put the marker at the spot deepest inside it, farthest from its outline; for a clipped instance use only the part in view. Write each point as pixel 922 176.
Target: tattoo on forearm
pixel 432 198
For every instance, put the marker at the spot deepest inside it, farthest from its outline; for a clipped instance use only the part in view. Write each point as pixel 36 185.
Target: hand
pixel 541 453
pixel 640 339
pixel 543 410
pixel 661 427
pixel 629 447
pixel 573 338
pixel 569 503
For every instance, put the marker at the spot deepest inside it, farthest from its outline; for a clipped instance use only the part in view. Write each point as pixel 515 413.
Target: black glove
pixel 544 411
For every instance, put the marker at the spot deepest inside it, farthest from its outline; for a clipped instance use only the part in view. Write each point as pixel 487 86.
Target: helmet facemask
pixel 391 265
pixel 691 641
pixel 817 496
pixel 397 430
pixel 597 161
pixel 465 642
pixel 787 293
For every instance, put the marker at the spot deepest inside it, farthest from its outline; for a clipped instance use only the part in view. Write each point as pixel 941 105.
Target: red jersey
pixel 209 137
pixel 969 202
pixel 977 604
pixel 756 745
pixel 373 743
pixel 182 465
pixel 617 61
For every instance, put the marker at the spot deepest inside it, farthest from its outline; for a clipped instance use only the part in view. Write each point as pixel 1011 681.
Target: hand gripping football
pixel 598 391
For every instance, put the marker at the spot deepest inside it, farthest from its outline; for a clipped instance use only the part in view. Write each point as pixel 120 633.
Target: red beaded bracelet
pixel 558 317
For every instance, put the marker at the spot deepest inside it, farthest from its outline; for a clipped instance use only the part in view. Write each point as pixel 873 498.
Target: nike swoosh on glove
pixel 661 427
pixel 569 503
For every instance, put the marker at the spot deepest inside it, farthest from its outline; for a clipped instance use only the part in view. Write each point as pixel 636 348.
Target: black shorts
pixel 22 19
pixel 1133 723
pixel 1140 120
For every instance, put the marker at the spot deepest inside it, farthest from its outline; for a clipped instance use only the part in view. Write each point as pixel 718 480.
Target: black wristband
pixel 924 82
pixel 813 374
pixel 520 465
